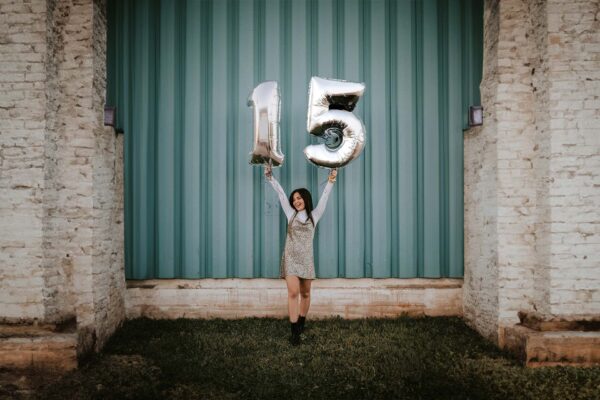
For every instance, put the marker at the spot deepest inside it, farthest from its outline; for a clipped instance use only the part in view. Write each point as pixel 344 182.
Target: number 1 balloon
pixel 330 105
pixel 266 103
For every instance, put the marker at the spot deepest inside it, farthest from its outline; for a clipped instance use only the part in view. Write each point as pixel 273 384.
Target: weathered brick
pixel 543 126
pixel 59 162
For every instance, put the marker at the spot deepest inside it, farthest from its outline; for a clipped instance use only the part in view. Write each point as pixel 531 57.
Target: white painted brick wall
pixel 540 144
pixel 109 238
pixel 60 175
pixel 574 190
pixel 22 138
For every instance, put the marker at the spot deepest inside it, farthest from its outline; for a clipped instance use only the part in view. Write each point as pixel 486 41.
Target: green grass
pixel 426 358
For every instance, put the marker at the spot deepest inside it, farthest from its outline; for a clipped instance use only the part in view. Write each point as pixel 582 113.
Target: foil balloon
pixel 330 105
pixel 266 103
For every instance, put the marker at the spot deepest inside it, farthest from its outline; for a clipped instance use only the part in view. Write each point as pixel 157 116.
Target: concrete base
pixel 539 322
pixel 37 347
pixel 241 298
pixel 551 348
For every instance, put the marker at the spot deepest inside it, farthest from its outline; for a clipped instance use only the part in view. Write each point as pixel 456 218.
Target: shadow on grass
pixel 404 358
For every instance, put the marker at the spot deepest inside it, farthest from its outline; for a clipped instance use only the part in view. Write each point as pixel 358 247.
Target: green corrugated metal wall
pixel 180 73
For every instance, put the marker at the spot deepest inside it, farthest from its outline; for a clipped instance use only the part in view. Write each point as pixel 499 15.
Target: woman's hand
pixel 268 172
pixel 332 175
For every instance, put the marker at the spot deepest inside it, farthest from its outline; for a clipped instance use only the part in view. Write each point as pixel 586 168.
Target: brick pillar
pixel 572 248
pixel 532 192
pixel 22 142
pixel 61 183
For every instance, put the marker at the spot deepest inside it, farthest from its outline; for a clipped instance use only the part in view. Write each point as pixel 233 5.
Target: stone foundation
pixel 242 298
pixel 553 348
pixel 38 347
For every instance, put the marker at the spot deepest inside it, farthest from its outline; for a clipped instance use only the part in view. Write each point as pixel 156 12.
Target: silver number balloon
pixel 330 105
pixel 266 103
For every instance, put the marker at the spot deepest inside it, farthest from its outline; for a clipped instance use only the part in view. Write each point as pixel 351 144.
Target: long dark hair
pixel 308 204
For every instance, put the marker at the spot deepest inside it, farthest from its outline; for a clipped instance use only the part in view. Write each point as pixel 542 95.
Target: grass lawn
pixel 404 358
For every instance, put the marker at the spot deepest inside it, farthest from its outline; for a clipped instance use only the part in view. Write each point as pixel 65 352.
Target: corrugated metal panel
pixel 180 73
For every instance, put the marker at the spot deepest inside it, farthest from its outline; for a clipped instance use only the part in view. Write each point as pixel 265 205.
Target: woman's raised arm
pixel 283 200
pixel 317 213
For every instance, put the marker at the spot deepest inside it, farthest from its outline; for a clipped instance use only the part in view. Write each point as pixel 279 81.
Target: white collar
pixel 302 215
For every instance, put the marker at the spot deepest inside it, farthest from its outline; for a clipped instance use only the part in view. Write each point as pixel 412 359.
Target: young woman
pixel 297 264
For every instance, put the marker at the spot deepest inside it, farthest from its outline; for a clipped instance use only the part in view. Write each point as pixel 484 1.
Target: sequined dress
pixel 297 258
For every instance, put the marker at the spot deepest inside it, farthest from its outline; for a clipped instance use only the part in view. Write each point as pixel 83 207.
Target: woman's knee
pixel 293 293
pixel 305 294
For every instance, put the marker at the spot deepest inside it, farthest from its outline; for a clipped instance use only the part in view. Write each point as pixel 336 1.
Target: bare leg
pixel 293 287
pixel 304 296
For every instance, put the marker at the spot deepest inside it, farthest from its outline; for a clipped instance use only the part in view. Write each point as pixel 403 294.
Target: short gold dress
pixel 297 258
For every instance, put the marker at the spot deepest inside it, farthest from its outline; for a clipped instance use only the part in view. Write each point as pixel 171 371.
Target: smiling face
pixel 298 202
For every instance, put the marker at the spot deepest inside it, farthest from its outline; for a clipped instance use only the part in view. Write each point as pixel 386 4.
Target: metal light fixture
pixel 110 116
pixel 475 116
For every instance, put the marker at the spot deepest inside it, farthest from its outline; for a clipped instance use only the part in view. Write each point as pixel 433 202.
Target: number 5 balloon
pixel 266 102
pixel 330 105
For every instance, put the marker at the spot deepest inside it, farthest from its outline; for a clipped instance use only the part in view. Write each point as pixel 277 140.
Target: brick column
pixel 532 192
pixel 60 170
pixel 572 215
pixel 22 138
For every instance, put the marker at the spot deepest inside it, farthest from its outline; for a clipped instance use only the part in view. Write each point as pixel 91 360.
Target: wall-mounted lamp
pixel 110 116
pixel 475 116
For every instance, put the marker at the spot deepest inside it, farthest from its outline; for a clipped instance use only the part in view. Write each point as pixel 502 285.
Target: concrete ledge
pixel 552 348
pixel 32 347
pixel 241 298
pixel 539 322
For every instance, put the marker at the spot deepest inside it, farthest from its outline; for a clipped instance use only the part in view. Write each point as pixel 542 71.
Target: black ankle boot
pixel 295 338
pixel 301 321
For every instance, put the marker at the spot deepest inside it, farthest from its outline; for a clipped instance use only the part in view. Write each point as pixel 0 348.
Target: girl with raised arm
pixel 297 263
